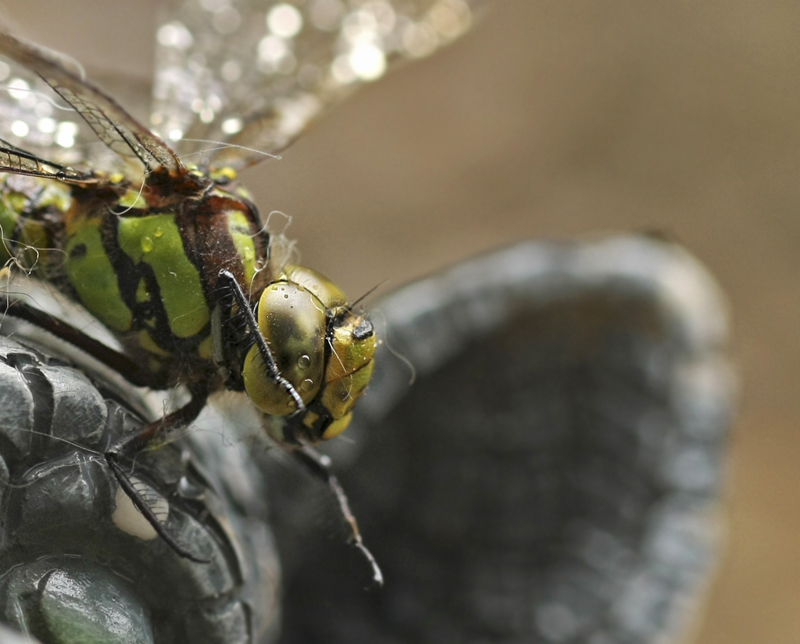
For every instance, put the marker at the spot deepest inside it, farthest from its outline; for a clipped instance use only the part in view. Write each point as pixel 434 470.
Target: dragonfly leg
pixel 141 505
pixel 152 432
pixel 234 293
pixel 122 364
pixel 319 465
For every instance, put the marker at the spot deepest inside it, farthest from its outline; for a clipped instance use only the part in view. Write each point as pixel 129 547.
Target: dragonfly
pixel 172 256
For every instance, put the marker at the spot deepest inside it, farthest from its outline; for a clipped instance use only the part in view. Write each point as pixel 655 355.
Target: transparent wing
pixel 256 73
pixel 33 118
pixel 18 161
pixel 27 121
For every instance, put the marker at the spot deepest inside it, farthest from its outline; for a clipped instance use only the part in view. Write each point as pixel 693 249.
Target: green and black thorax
pixel 145 261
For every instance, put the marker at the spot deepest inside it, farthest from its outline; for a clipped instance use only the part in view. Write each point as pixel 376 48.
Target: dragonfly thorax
pixel 151 271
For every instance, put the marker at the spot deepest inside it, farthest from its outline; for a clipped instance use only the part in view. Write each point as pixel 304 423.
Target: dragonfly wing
pixel 34 119
pixel 18 161
pixel 120 132
pixel 257 73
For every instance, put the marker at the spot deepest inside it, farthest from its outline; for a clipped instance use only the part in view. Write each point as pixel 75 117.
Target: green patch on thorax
pixel 155 240
pixel 93 277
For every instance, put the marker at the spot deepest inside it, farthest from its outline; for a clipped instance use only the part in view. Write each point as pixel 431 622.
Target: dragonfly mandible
pixel 174 258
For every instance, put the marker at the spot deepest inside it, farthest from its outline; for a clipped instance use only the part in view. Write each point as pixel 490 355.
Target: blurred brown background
pixel 564 119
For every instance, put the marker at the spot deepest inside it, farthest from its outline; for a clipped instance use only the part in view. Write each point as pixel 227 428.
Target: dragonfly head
pixel 320 345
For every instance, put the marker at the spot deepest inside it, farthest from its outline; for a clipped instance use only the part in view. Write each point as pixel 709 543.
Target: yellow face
pixel 323 348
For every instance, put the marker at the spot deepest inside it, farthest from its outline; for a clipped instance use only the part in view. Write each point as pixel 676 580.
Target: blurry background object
pixel 558 120
pixel 552 476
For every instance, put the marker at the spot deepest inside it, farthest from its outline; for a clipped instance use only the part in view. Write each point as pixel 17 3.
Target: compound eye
pixel 327 292
pixel 292 321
